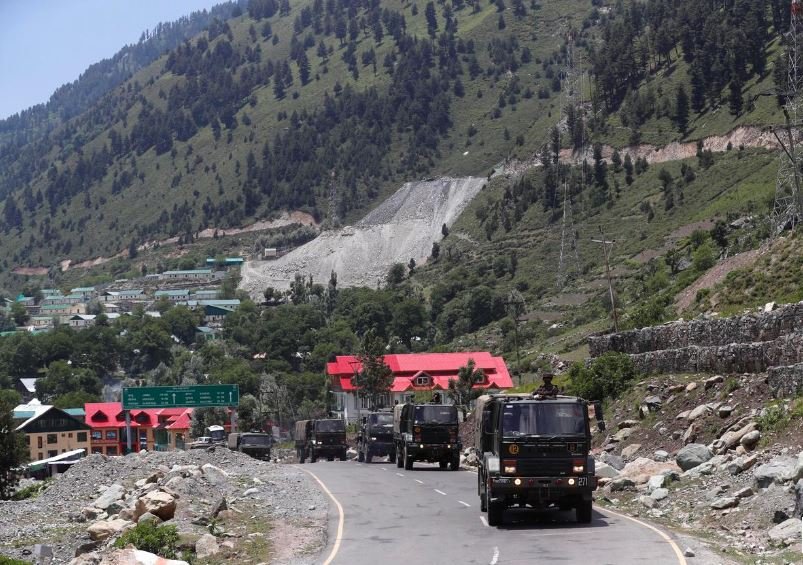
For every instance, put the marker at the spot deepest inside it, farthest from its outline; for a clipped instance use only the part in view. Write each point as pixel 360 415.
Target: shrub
pixel 31 491
pixel 774 418
pixel 606 377
pixel 159 540
pixel 10 561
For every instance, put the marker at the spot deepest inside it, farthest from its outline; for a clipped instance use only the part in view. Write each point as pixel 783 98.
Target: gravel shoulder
pixel 259 512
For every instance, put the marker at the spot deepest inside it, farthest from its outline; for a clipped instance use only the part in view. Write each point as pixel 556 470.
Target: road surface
pixel 383 515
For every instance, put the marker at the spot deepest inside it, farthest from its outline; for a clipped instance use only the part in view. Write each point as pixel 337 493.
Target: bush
pixel 31 491
pixel 606 377
pixel 159 540
pixel 10 561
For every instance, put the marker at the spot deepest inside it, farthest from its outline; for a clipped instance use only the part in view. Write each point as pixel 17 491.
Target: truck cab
pixel 375 437
pixel 426 432
pixel 534 452
pixel 255 444
pixel 320 438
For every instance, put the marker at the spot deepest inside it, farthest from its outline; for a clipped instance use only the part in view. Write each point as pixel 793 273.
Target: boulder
pixel 206 546
pixel 787 532
pixel 648 501
pixel 693 455
pixel 716 379
pixel 133 556
pixel 776 471
pixel 656 482
pixel 661 456
pixel 215 475
pixel 629 451
pixel 799 499
pixel 745 492
pixel 732 438
pixel 627 424
pixel 750 439
pixel 622 434
pixel 683 415
pixel 218 506
pixel 109 496
pixel 741 464
pixel 614 461
pixel 149 518
pixel 691 387
pixel 690 434
pixel 725 411
pixel 659 494
pixel 653 403
pixel 604 470
pixel 621 483
pixel 107 528
pixel 158 503
pixel 725 502
pixel 699 412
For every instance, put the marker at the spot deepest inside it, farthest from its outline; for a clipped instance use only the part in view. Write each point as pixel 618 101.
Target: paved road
pixel 428 516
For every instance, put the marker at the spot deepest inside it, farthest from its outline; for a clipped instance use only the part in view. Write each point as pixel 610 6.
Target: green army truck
pixel 255 444
pixel 534 452
pixel 426 432
pixel 320 438
pixel 375 438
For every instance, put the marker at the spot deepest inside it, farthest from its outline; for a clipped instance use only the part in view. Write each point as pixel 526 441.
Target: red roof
pixel 140 418
pixel 441 367
pixel 182 422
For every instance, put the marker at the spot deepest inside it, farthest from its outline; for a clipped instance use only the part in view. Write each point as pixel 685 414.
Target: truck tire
pixel 360 456
pixel 343 455
pixel 442 465
pixel 301 457
pixel 454 464
pixel 392 457
pixel 408 462
pixel 399 458
pixel 313 457
pixel 496 511
pixel 368 457
pixel 482 492
pixel 583 512
pixel 330 458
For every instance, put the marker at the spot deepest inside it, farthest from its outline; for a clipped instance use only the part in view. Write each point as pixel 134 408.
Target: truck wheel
pixel 408 461
pixel 330 458
pixel 368 457
pixel 443 464
pixel 313 457
pixel 392 457
pixel 343 456
pixel 301 457
pixel 360 456
pixel 583 512
pixel 454 464
pixel 496 512
pixel 399 458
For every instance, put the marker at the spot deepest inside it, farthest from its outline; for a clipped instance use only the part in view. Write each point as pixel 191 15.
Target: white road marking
pixel 439 491
pixel 340 520
pixel 399 474
pixel 466 504
pixel 383 468
pixel 419 482
pixel 495 558
pixel 484 521
pixel 672 544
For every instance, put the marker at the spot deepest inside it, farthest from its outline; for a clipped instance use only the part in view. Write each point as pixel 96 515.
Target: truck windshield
pixel 330 426
pixel 381 420
pixel 543 419
pixel 256 440
pixel 435 414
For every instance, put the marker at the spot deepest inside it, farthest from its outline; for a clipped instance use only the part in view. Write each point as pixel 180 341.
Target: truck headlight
pixel 510 469
pixel 578 469
pixel 373 438
pixel 314 442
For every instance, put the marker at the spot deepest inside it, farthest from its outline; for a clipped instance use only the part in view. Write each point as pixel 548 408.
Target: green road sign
pixel 195 396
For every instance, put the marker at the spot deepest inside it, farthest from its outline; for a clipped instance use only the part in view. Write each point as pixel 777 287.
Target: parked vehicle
pixel 375 437
pixel 534 452
pixel 255 444
pixel 320 438
pixel 200 443
pixel 426 432
pixel 217 433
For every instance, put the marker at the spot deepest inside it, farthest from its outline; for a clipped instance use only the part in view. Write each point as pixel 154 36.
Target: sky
pixel 47 43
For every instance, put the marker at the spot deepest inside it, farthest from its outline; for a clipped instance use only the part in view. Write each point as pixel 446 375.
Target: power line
pixel 607 247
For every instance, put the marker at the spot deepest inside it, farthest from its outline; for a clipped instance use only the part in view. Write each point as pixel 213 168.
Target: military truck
pixel 375 437
pixel 320 438
pixel 255 444
pixel 534 452
pixel 426 432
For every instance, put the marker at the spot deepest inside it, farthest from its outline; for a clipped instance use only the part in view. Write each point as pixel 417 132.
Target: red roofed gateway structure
pixel 413 372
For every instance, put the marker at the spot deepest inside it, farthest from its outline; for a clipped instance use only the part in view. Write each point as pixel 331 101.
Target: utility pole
pixel 516 305
pixel 607 246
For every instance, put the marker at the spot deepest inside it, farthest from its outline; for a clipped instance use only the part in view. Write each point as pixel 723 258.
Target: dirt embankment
pixel 401 228
pixel 743 136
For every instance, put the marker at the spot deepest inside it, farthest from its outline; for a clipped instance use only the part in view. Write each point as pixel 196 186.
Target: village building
pixel 173 295
pixel 413 373
pixel 134 295
pixel 189 275
pixel 152 429
pixel 50 431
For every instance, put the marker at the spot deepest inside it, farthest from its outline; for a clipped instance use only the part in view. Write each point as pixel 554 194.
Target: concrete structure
pixel 172 295
pixel 85 292
pixel 190 275
pixel 50 431
pixel 135 295
pixel 412 373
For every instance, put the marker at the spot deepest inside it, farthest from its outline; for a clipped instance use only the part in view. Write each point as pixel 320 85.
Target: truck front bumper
pixel 433 452
pixel 541 490
pixel 381 448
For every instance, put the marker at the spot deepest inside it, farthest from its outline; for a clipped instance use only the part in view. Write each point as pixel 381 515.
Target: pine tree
pixel 375 377
pixel 697 86
pixel 12 444
pixel 681 109
pixel 432 19
pixel 735 97
pixel 303 67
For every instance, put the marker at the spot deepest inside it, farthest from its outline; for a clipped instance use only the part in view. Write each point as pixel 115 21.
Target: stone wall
pixel 747 329
pixel 786 381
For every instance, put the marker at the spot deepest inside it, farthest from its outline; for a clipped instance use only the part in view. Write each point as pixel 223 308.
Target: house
pixel 40 322
pixel 412 373
pixel 80 321
pixel 269 253
pixel 232 303
pixel 152 429
pixel 85 292
pixel 50 431
pixel 216 314
pixel 134 295
pixel 26 387
pixel 172 295
pixel 205 333
pixel 225 263
pixel 211 294
pixel 190 274
pixel 62 311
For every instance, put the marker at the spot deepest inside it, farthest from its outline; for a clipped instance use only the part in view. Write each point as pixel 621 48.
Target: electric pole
pixel 607 247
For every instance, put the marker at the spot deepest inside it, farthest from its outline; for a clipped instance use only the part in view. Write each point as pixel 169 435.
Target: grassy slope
pixel 109 222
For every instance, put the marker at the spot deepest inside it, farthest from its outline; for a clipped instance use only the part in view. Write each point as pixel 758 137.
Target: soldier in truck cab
pixel 547 388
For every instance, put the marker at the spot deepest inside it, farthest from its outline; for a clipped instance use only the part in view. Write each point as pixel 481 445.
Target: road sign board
pixel 194 396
